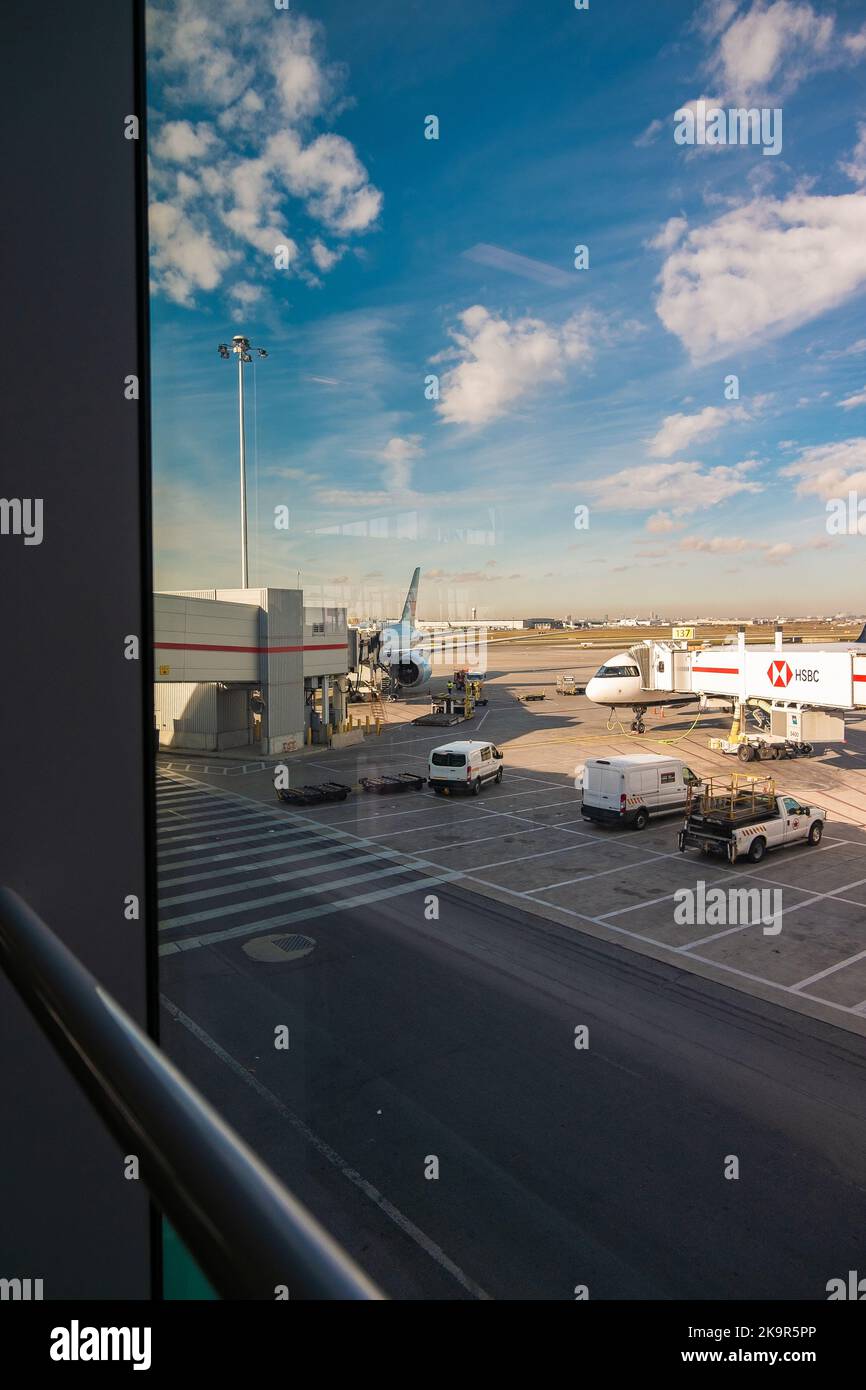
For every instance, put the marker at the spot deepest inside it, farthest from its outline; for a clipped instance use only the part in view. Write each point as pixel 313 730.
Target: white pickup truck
pixel 741 826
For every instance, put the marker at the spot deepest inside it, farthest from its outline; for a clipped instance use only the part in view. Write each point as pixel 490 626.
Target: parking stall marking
pixel 317 830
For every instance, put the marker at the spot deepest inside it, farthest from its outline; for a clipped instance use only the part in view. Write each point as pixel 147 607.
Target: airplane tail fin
pixel 862 637
pixel 411 603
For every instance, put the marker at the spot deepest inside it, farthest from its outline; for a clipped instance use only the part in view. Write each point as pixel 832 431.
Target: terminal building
pixel 249 668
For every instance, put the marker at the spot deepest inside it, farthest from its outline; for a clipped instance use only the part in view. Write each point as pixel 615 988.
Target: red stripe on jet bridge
pixel 207 647
pixel 860 678
pixel 718 670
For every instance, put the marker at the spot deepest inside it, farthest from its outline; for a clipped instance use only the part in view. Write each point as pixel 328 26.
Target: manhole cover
pixel 279 948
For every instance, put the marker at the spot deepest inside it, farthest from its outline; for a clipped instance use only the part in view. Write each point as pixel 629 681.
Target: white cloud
pixel 774 552
pixel 304 86
pixel 502 360
pixel 397 456
pixel 258 169
pixel 242 114
pixel 763 269
pixel 324 257
pixel 855 44
pixel 678 431
pixel 650 134
pixel 855 167
pixel 676 487
pixel 858 398
pixel 716 545
pixel 525 266
pixel 670 234
pixel 329 176
pixel 714 16
pixel 771 47
pixel 660 523
pixel 184 255
pixel 179 141
pixel 782 550
pixel 829 470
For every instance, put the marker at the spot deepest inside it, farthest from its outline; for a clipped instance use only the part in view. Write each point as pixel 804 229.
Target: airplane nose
pixel 592 689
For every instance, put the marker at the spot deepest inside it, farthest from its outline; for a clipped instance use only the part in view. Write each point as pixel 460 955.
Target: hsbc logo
pixel 779 673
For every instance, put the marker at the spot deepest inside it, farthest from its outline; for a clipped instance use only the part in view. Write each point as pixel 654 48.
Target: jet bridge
pixel 796 694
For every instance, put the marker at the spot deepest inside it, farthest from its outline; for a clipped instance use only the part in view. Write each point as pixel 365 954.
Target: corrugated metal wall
pixel 185 713
pixel 200 715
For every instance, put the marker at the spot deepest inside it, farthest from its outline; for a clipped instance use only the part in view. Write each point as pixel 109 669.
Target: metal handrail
pixel 248 1234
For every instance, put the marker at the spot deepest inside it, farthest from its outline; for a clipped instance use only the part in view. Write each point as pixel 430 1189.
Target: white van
pixel 464 766
pixel 629 790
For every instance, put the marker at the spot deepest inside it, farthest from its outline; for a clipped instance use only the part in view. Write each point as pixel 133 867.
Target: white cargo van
pixel 630 789
pixel 464 766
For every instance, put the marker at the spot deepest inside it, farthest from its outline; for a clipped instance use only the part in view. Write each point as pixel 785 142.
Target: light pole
pixel 240 346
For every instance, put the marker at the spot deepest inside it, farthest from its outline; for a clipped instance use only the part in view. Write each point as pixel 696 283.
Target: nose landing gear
pixel 637 724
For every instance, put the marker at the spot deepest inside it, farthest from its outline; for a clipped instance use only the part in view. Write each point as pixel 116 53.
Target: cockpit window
pixel 606 671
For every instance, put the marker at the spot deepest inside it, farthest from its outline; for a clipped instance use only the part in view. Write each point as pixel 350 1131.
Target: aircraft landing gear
pixel 637 724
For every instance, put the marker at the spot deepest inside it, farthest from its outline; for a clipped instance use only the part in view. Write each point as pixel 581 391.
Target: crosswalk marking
pixel 274 863
pixel 253 847
pixel 184 830
pixel 243 837
pixel 360 856
pixel 278 839
pixel 231 908
pixel 191 943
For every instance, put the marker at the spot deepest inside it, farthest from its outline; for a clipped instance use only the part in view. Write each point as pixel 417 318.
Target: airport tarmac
pixel 414 1038
pixel 524 842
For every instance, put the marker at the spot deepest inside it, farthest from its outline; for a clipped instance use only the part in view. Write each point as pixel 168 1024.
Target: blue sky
pixel 601 388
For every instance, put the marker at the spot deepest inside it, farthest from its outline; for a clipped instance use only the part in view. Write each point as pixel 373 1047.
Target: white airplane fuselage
pixel 618 683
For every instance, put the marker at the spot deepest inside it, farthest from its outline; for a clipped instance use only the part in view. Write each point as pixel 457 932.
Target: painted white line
pixel 674 951
pixel 482 839
pixel 188 794
pixel 244 837
pixel 721 876
pixel 709 867
pixel 191 803
pixel 224 818
pixel 469 803
pixel 246 864
pixel 586 878
pixel 277 841
pixel 509 815
pixel 430 1248
pixel 831 970
pixel 263 902
pixel 194 943
pixel 794 907
pixel 569 849
pixel 358 855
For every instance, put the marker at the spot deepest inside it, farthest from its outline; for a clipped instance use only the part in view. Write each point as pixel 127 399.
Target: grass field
pixel 809 629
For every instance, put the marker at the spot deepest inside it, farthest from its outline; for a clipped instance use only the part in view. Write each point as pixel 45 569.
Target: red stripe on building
pixel 206 647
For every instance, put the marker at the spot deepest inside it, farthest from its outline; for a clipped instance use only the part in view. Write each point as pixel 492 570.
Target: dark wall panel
pixel 74 798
